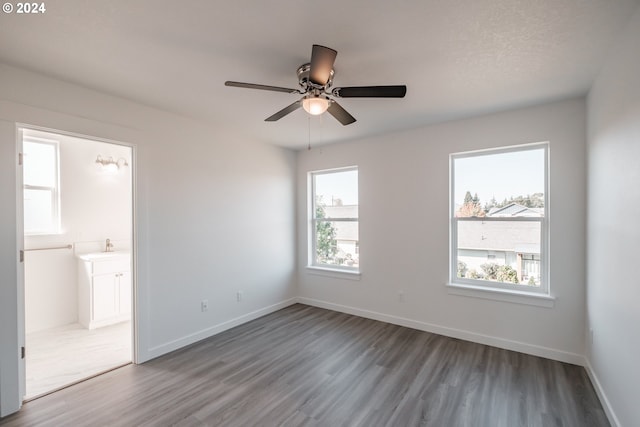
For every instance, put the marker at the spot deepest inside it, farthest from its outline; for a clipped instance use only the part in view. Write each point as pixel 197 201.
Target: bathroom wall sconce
pixel 111 165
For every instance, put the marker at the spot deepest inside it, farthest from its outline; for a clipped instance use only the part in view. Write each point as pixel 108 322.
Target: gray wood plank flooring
pixel 305 366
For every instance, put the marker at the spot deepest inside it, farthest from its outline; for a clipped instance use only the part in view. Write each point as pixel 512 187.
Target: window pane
pixel 39 164
pixel 38 211
pixel 337 243
pixel 337 189
pixel 501 251
pixel 503 184
pixel 335 214
pixel 490 187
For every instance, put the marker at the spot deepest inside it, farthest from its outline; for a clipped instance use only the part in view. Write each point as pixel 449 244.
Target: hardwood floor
pixel 305 366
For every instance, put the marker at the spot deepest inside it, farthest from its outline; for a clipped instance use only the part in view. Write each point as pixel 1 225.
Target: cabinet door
pixel 125 292
pixel 104 303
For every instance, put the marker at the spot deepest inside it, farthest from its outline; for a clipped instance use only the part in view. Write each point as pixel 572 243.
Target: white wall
pixel 215 214
pixel 50 289
pixel 613 287
pixel 95 206
pixel 404 195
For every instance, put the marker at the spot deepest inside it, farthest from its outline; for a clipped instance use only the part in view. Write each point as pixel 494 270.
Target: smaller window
pixel 333 228
pixel 41 186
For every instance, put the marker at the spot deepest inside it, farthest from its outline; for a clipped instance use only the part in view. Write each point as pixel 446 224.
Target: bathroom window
pixel 41 186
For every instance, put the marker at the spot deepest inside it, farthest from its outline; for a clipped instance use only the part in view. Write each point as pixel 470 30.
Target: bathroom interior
pixel 77 259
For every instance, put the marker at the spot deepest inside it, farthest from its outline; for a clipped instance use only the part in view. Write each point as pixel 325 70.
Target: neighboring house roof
pixel 344 211
pixel 509 236
pixel 515 209
pixel 344 230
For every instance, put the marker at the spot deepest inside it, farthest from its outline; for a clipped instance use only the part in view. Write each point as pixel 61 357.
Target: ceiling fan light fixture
pixel 316 79
pixel 315 105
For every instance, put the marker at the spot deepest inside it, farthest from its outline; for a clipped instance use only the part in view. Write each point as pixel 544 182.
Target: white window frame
pixel 54 190
pixel 544 289
pixel 312 263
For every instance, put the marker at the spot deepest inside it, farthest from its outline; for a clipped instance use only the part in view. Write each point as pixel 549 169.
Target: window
pixel 334 219
pixel 499 218
pixel 41 186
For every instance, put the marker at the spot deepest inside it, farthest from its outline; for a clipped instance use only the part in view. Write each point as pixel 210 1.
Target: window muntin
pixel 41 186
pixel 499 214
pixel 334 227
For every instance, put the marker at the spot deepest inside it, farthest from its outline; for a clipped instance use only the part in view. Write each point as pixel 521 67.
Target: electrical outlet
pixel 204 305
pixel 239 296
pixel 400 296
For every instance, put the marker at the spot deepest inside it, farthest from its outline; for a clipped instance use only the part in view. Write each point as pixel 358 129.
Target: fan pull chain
pixel 309 146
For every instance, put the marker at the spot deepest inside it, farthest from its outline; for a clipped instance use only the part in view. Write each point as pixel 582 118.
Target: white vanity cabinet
pixel 104 289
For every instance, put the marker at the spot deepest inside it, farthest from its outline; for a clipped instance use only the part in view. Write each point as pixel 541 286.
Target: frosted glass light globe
pixel 315 105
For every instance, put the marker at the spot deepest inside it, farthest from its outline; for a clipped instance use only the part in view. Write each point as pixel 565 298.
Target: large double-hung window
pixel 499 218
pixel 333 227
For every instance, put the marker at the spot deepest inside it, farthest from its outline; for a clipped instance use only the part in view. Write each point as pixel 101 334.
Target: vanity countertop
pixel 100 256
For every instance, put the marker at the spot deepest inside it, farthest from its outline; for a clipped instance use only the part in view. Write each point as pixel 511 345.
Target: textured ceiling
pixel 458 58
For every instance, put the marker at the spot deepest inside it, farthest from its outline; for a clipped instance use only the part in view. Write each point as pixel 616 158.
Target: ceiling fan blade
pixel 322 59
pixel 340 113
pixel 286 110
pixel 261 87
pixel 397 91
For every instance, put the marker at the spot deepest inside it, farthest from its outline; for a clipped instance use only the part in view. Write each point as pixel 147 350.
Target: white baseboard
pixel 168 347
pixel 535 350
pixel 606 405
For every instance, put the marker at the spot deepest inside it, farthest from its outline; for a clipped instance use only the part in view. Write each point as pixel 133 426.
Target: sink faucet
pixel 109 246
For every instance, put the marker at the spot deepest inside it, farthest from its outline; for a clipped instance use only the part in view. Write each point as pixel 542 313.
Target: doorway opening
pixel 78 246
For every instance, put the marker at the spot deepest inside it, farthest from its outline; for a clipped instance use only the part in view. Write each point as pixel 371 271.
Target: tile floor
pixel 67 354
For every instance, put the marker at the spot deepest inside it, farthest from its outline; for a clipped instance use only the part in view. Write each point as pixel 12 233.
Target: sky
pixel 501 175
pixel 341 185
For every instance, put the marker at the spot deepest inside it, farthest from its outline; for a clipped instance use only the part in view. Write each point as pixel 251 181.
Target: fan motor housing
pixel 303 78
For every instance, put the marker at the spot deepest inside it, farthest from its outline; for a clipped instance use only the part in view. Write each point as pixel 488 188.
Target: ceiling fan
pixel 315 79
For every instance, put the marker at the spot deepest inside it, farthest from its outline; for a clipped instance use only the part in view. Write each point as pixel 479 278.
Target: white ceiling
pixel 458 58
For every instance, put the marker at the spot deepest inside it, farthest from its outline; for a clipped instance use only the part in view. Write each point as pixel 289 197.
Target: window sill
pixel 335 273
pixel 518 297
pixel 43 233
